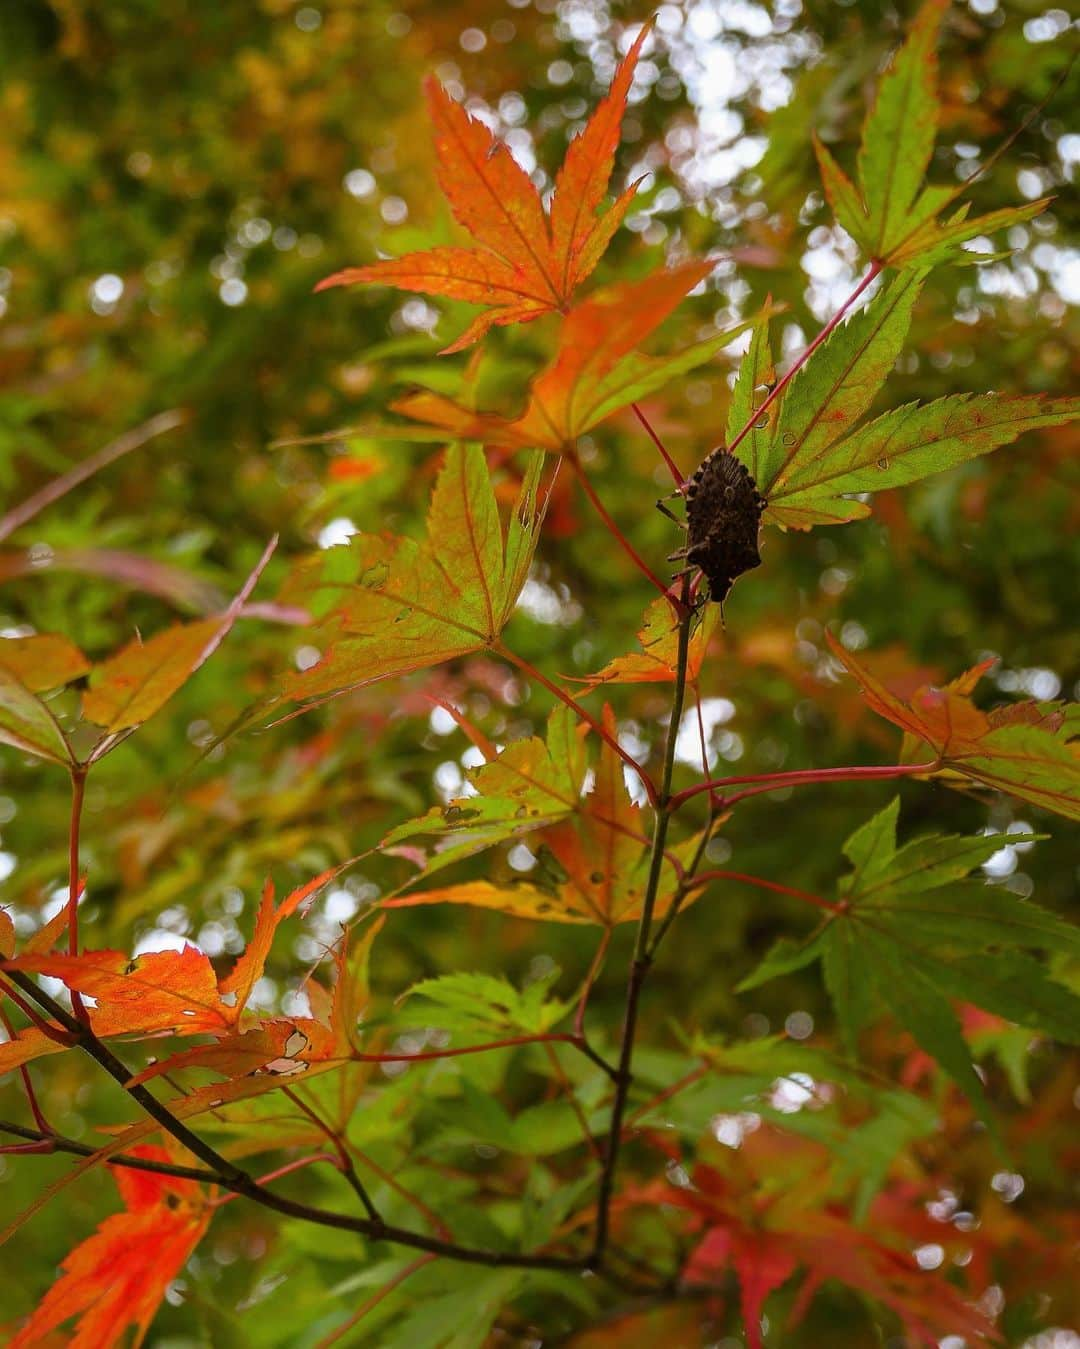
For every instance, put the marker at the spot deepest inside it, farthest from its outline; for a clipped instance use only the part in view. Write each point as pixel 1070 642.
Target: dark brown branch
pixel 230 1177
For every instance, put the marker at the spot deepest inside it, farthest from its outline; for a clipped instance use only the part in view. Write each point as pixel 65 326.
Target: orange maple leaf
pixel 596 371
pixel 529 262
pixel 1027 749
pixel 117 1277
pixel 161 992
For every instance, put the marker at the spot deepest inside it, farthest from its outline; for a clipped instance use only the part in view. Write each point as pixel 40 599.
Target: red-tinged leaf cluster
pixel 160 993
pixel 1027 749
pixel 765 1211
pixel 529 262
pixel 115 1280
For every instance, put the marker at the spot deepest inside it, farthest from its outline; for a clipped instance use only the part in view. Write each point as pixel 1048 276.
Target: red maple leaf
pixel 117 1277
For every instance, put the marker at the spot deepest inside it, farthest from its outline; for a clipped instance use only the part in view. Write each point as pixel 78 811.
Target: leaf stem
pixel 778 389
pixel 642 960
pixel 571 702
pixel 801 777
pixel 78 794
pixel 617 534
pixel 673 468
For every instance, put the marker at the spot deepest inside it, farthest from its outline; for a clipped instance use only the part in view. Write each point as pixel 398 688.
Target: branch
pixel 231 1177
pixel 642 960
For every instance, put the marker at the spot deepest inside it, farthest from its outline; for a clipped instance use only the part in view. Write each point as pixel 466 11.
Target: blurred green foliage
pixel 175 179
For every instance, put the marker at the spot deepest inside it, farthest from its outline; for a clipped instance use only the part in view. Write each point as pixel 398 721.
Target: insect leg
pixel 670 513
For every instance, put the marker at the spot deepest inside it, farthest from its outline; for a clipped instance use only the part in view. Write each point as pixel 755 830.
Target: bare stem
pixel 642 960
pixel 617 534
pixel 672 466
pixel 78 794
pixel 802 777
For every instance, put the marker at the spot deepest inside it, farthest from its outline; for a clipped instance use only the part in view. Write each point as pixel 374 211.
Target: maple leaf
pixel 161 992
pixel 756 1207
pixel 42 661
pixel 27 724
pixel 809 457
pixel 139 680
pixel 116 1279
pixel 886 213
pixel 656 662
pixel 911 933
pixel 591 868
pixel 387 605
pixel 528 263
pixel 596 371
pixel 1027 749
pixel 530 784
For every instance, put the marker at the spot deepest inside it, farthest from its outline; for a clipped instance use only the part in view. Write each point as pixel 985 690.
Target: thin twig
pixel 59 487
pixel 373 1301
pixel 801 777
pixel 617 534
pixel 672 466
pixel 78 793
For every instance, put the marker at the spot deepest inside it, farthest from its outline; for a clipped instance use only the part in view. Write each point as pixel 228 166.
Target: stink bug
pixel 723 516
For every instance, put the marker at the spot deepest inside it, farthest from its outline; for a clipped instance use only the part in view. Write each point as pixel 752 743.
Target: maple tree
pixel 537 1124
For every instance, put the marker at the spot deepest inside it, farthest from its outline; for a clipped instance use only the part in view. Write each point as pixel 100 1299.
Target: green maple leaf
pixel 888 211
pixel 809 455
pixel 912 933
pixel 532 783
pixel 386 606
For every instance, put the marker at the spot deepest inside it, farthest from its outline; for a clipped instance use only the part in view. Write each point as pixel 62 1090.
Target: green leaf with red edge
pixel 591 868
pixel 26 724
pixel 905 445
pixel 115 1279
pixel 659 638
pixel 596 371
pixel 387 606
pixel 42 661
pixel 528 263
pixel 911 934
pixel 139 680
pixel 1028 750
pixel 890 214
pixel 835 387
pixel 532 783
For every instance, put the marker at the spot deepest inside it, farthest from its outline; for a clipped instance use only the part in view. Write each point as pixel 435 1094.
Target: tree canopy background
pixel 173 182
